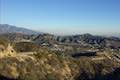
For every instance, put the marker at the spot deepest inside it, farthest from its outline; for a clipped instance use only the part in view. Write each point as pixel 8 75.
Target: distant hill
pixel 5 28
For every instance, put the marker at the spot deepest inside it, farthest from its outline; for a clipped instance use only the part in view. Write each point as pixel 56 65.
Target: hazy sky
pixel 63 16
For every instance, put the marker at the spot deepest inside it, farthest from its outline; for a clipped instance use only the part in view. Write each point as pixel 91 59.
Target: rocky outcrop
pixel 8 51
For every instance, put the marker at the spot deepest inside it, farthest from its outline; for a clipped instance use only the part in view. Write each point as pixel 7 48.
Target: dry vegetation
pixel 49 65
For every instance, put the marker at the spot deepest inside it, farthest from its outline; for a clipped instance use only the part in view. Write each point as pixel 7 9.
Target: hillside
pixel 26 56
pixel 43 64
pixel 49 66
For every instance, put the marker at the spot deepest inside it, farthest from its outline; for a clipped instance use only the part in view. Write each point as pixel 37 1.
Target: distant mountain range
pixel 14 33
pixel 5 28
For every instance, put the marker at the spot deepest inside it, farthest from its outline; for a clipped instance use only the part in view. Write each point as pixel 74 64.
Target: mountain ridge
pixel 6 28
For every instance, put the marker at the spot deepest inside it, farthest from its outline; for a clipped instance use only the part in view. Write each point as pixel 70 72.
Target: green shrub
pixel 25 47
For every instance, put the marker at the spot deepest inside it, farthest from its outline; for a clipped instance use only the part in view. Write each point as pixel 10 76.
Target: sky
pixel 63 16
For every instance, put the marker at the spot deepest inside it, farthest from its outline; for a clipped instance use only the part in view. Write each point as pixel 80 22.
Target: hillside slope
pixel 48 65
